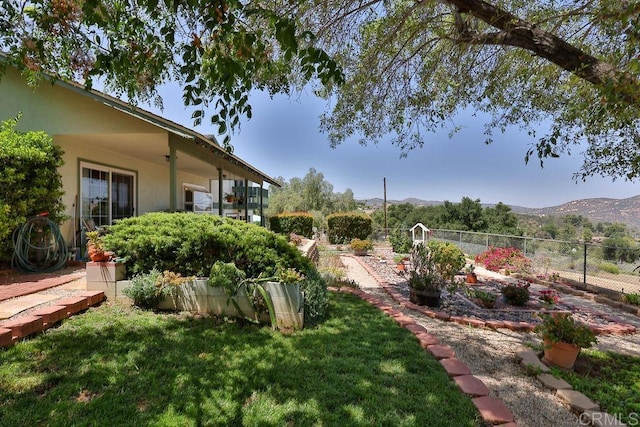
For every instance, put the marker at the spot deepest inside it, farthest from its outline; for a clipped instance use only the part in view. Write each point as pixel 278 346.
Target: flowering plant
pixel 511 259
pixel 549 296
pixel 422 271
pixel 516 293
pixel 561 327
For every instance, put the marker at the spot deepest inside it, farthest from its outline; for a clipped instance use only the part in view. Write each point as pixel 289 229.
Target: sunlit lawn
pixel 119 366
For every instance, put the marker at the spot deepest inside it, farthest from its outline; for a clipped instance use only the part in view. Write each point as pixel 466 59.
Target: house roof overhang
pixel 203 148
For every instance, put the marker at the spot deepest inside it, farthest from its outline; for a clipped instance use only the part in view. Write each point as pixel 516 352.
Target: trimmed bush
pixel 447 257
pixel 191 244
pixel 344 227
pixel 300 223
pixel 29 181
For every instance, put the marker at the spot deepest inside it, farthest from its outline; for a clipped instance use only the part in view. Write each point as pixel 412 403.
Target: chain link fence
pixel 612 268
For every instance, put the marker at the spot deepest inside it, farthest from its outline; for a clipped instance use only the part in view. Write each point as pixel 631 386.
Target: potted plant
pixel 563 338
pixel 360 247
pixel 548 298
pixel 95 247
pixel 425 284
pixel 400 262
pixel 229 197
pixel 471 276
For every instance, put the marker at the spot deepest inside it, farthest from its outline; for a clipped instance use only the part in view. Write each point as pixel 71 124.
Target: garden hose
pixel 39 246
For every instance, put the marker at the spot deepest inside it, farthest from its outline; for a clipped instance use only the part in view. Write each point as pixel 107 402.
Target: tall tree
pixel 412 65
pixel 312 193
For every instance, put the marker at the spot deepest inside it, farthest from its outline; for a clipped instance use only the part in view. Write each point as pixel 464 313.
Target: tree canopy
pixel 410 66
pixel 309 194
pixel 467 215
pixel 218 51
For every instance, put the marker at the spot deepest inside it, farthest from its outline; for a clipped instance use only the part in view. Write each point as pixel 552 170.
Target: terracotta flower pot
pixel 561 354
pixel 97 255
pixel 471 278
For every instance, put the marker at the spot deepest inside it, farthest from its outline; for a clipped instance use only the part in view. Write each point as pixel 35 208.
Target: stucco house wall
pixel 95 129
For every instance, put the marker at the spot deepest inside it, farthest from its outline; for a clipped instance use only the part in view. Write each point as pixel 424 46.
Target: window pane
pixel 95 195
pixel 121 196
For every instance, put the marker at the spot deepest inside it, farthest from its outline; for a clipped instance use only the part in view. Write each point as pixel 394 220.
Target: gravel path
pixel 491 354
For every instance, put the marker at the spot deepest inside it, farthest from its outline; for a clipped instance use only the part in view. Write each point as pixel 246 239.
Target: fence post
pixel 584 267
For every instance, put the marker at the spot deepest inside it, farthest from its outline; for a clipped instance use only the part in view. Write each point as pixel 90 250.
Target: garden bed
pixel 458 305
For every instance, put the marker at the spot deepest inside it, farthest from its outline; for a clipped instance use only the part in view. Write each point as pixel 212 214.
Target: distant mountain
pixel 377 202
pixel 626 211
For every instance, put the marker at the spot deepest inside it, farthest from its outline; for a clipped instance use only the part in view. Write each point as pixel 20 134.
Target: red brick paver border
pixel 31 283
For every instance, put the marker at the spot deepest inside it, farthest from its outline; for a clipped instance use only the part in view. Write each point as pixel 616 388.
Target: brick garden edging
pixel 618 328
pixel 44 318
pixel 587 410
pixel 492 409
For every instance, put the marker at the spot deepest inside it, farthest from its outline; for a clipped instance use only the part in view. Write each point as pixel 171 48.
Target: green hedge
pixel 344 227
pixel 300 223
pixel 29 181
pixel 190 244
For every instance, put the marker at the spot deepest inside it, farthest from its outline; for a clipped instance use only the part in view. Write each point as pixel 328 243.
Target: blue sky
pixel 282 139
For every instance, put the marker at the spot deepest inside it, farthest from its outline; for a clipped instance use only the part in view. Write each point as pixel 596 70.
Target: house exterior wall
pixel 57 110
pixel 84 128
pixel 152 179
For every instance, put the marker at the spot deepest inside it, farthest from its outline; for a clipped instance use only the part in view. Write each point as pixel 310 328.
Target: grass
pixel 120 366
pixel 611 379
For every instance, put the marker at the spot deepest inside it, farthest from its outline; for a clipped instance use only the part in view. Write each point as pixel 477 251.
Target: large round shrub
pixel 190 244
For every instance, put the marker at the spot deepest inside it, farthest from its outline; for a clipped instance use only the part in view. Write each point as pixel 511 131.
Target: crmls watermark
pixel 604 419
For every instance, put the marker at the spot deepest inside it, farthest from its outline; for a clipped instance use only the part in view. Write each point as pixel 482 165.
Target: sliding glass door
pixel 107 194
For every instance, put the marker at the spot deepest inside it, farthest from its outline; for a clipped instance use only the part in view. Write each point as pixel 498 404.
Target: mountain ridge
pixel 601 209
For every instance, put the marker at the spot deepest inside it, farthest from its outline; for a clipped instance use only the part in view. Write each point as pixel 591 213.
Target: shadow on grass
pixel 118 366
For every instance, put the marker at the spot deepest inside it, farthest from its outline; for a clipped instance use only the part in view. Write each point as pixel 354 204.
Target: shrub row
pixel 300 223
pixel 344 227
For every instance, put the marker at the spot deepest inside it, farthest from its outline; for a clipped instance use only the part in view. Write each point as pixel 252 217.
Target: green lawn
pixel 611 379
pixel 118 366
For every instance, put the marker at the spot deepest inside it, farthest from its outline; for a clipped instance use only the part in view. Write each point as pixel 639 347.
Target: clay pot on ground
pixel 561 354
pixel 471 278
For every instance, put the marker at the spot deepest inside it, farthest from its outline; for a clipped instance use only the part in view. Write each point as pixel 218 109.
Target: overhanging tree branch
pixel 517 32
